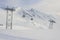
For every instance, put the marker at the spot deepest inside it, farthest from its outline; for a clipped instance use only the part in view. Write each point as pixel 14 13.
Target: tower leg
pixel 6 19
pixel 11 19
pixel 51 25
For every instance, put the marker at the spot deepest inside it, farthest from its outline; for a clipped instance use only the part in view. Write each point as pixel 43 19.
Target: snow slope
pixel 24 29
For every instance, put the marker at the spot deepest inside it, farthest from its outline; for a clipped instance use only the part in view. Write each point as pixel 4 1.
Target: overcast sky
pixel 49 6
pixel 21 3
pixel 46 6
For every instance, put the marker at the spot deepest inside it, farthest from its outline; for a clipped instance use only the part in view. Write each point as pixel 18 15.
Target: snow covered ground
pixel 27 33
pixel 25 30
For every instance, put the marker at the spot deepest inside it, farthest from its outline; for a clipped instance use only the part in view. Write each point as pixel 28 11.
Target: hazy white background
pixel 51 7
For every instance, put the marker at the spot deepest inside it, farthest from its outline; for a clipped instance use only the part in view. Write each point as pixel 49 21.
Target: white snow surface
pixel 24 29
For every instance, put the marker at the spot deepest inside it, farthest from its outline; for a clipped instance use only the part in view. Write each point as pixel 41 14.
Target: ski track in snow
pixel 9 37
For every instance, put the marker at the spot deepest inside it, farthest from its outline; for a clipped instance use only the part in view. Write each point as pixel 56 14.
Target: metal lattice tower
pixel 9 17
pixel 9 20
pixel 51 24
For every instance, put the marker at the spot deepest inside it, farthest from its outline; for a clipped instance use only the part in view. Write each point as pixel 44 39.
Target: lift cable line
pixel 9 17
pixel 26 13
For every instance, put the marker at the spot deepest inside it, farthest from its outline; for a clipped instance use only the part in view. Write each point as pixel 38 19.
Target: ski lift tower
pixel 9 17
pixel 51 23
